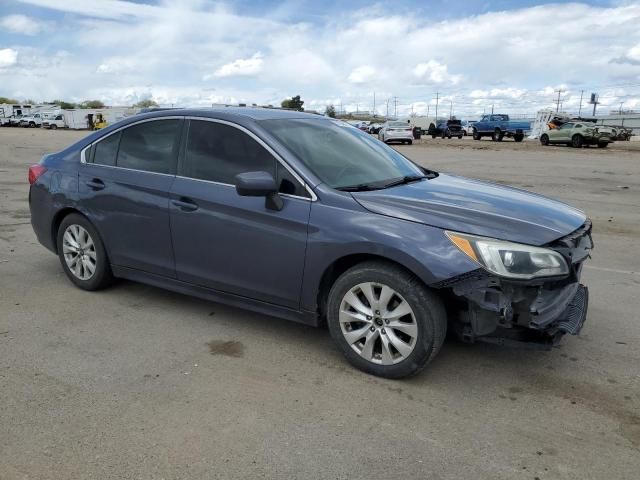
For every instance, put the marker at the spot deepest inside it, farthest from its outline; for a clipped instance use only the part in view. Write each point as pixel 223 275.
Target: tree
pixel 330 111
pixel 92 104
pixel 64 105
pixel 293 103
pixel 8 100
pixel 146 103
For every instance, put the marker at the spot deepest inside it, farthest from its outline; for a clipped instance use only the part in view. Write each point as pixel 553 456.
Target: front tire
pixel 384 320
pixel 82 253
pixel 577 141
pixel 544 139
pixel 497 135
pixel 476 135
pixel 603 144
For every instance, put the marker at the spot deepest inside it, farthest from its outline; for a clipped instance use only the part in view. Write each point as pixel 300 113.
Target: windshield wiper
pixel 361 187
pixel 404 180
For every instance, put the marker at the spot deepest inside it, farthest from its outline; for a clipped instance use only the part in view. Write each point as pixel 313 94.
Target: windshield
pixel 341 156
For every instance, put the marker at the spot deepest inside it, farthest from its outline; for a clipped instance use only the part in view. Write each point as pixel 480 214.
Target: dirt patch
pixel 230 348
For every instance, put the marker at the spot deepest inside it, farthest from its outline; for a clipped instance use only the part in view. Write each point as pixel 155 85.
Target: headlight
pixel 511 260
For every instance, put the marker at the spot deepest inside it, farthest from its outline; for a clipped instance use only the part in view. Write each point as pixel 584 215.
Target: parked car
pixel 374 128
pixel 446 129
pixel 31 121
pixel 467 127
pixel 14 120
pixel 499 126
pixel 54 123
pixel 396 131
pixel 579 134
pixel 303 217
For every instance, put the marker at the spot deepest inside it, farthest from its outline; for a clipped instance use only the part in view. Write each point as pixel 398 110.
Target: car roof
pixel 248 113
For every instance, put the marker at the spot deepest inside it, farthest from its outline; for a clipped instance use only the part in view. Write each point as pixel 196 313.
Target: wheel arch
pixel 340 265
pixel 59 217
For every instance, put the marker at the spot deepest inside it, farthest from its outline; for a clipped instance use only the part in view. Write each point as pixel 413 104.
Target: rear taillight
pixel 35 172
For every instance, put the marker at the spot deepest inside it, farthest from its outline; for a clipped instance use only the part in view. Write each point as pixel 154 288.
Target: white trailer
pixel 81 118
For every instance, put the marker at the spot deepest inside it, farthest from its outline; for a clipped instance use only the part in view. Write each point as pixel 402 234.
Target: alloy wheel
pixel 378 324
pixel 79 252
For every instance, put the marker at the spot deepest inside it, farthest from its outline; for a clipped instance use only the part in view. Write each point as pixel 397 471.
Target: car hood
pixel 471 206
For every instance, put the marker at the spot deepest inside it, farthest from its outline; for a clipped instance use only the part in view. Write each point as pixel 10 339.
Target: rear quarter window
pixel 104 152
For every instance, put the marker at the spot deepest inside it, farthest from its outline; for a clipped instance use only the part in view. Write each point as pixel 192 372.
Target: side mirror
pixel 259 184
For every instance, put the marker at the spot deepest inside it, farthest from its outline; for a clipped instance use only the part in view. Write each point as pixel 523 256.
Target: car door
pixel 234 243
pixel 563 134
pixel 124 184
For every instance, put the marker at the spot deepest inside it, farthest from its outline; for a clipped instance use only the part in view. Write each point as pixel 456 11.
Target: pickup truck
pixel 498 126
pixel 53 123
pixel 32 121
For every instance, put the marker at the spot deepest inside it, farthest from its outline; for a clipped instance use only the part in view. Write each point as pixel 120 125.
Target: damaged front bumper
pixel 534 313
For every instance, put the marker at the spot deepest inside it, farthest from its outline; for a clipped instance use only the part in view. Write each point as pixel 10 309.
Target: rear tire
pixel 410 142
pixel 603 144
pixel 78 240
pixel 577 141
pixel 53 126
pixel 518 138
pixel 420 333
pixel 544 139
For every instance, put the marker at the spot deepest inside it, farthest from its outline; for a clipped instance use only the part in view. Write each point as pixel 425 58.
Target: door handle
pixel 95 184
pixel 185 204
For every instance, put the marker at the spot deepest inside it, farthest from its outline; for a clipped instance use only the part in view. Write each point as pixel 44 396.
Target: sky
pixel 512 56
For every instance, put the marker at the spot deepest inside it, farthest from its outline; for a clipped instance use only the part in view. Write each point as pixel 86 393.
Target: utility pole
pixel 428 110
pixel 580 108
pixel 492 109
pixel 620 109
pixel 451 110
pixel 374 104
pixel 387 117
pixel 395 107
pixel 437 98
pixel 558 101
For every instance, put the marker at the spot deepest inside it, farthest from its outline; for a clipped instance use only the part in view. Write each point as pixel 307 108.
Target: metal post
pixel 437 97
pixel 580 108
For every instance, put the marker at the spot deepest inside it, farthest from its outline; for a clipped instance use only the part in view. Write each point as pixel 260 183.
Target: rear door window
pixel 150 146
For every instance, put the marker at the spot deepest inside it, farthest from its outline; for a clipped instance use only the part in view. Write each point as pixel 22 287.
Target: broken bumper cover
pixel 565 313
pixel 536 312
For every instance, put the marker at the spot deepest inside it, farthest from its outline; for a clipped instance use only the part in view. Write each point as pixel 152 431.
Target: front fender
pixel 336 232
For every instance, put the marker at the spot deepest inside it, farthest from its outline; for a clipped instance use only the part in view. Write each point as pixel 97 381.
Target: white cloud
pixel 634 53
pixel 240 67
pixel 20 24
pixel 434 72
pixel 8 57
pixel 177 51
pixel 362 74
